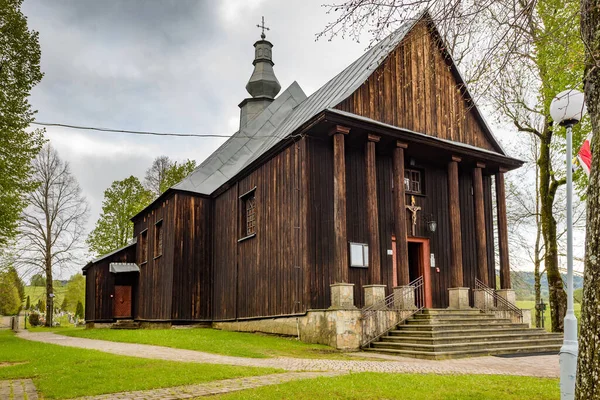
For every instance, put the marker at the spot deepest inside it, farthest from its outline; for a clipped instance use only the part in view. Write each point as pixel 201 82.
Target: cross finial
pixel 263 27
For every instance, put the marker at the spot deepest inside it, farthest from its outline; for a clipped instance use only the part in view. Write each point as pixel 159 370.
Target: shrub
pixel 79 310
pixel 34 319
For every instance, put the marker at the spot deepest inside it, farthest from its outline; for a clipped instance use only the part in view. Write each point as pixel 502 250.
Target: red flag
pixel 585 155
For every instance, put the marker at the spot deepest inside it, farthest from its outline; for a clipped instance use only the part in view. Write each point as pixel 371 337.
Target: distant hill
pixel 522 282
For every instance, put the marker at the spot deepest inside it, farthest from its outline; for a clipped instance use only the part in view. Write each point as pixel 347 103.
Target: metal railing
pixel 498 303
pixel 383 316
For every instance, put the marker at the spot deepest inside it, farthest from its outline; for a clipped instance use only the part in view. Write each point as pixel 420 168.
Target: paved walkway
pixel 21 389
pixel 540 366
pixel 212 388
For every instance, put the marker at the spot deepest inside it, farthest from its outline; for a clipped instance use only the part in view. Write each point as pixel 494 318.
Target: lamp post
pixel 567 109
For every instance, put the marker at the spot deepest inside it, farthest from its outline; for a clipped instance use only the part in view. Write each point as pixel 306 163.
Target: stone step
pixel 460 326
pixel 490 337
pixel 443 348
pixel 470 353
pixel 452 321
pixel 462 333
pixel 125 324
pixel 454 316
pixel 447 311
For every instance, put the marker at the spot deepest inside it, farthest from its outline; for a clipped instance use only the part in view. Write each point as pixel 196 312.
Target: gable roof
pixel 290 111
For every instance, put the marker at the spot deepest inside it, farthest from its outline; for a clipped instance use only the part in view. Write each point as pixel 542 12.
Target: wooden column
pixel 372 210
pixel 456 264
pixel 340 262
pixel 401 253
pixel 502 231
pixel 480 231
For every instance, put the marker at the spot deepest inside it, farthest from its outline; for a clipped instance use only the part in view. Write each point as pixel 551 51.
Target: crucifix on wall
pixel 413 208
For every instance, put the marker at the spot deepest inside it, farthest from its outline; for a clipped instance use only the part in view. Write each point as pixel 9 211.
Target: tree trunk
pixel 588 370
pixel 49 293
pixel 538 294
pixel 548 187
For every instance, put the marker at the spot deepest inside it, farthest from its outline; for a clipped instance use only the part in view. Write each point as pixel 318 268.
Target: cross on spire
pixel 263 27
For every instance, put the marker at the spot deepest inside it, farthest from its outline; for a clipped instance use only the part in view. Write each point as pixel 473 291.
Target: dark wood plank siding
pixel 156 275
pixel 263 275
pixel 192 290
pixel 99 284
pixel 320 221
pixel 415 89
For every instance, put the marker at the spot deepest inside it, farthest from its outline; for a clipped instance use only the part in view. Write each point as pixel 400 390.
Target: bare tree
pixel 52 227
pixel 156 174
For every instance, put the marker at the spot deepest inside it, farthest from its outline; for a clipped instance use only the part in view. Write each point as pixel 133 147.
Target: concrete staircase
pixel 441 334
pixel 125 324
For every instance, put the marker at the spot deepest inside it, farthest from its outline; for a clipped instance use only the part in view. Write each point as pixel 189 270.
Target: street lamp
pixel 567 109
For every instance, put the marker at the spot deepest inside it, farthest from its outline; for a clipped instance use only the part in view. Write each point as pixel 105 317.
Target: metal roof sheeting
pixel 119 268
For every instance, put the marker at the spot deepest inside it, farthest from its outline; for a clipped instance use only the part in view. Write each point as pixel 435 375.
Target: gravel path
pixel 540 366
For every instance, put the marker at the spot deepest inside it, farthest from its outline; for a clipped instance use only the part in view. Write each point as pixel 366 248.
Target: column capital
pixel 456 159
pixel 373 138
pixel 502 170
pixel 339 129
pixel 400 144
pixel 480 165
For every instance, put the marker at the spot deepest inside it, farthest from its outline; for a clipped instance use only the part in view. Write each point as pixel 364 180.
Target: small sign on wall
pixel 432 260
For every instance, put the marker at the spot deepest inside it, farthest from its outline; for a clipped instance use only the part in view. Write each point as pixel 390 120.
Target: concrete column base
pixel 459 298
pixel 342 296
pixel 508 295
pixel 483 299
pixel 404 298
pixel 374 294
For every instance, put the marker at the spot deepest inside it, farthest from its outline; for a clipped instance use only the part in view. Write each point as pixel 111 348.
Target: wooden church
pixel 384 175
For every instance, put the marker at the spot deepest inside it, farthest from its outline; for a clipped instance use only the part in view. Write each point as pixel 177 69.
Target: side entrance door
pixel 122 302
pixel 418 264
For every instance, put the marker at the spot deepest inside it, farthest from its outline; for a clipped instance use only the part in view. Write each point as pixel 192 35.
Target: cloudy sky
pixel 169 66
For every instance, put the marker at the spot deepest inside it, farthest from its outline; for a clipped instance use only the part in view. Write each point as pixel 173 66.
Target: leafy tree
pixel 10 301
pixel 175 173
pixel 65 304
pixel 53 224
pixel 14 276
pixel 38 280
pixel 28 303
pixel 122 200
pixel 19 73
pixel 75 292
pixel 79 310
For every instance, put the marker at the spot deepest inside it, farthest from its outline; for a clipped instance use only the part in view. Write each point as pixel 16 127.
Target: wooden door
pixel 122 302
pixel 423 266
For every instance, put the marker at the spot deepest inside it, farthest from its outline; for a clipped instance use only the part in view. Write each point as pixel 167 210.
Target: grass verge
pixel 530 305
pixel 62 372
pixel 214 341
pixel 408 386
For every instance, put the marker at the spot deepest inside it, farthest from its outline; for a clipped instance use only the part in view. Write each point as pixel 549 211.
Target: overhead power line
pixel 90 128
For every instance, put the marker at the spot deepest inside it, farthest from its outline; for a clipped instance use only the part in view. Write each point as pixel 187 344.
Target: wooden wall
pixel 176 284
pixel 433 203
pixel 415 89
pixel 99 285
pixel 262 275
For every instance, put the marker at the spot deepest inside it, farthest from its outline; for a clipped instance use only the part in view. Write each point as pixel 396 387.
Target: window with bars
pixel 248 212
pixel 158 239
pixel 412 181
pixel 144 245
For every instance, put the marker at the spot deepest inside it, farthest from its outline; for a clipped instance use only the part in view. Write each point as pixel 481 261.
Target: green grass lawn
pixel 407 386
pixel 530 305
pixel 214 341
pixel 62 372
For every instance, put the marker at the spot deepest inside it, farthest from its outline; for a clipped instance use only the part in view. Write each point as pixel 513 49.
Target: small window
pixel 359 255
pixel 144 245
pixel 412 181
pixel 158 239
pixel 248 212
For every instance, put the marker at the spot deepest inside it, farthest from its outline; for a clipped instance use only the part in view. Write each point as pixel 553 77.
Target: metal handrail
pixel 500 303
pixel 383 316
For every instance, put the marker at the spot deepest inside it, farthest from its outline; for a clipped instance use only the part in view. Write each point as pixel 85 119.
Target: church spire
pixel 263 85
